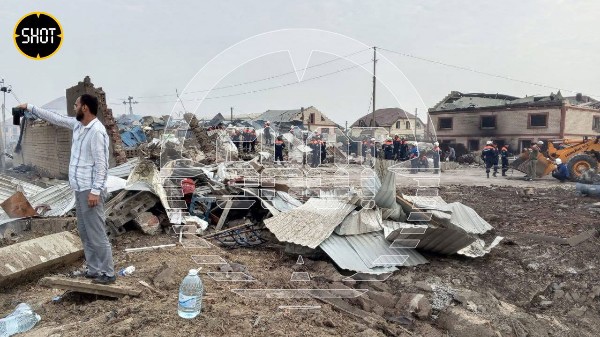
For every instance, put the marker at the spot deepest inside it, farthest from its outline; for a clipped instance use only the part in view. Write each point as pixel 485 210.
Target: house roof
pixel 217 119
pixel 457 101
pixel 385 117
pixel 280 116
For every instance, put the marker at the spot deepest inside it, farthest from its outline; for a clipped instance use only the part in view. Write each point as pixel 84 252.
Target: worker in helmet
pixel 561 172
pixel 487 155
pixel 388 149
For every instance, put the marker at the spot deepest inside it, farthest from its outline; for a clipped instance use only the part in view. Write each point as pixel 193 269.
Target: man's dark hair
pixel 91 102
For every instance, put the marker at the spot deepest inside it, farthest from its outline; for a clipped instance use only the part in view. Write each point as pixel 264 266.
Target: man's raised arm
pixel 50 116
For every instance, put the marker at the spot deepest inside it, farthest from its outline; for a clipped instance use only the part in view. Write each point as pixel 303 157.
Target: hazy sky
pixel 149 48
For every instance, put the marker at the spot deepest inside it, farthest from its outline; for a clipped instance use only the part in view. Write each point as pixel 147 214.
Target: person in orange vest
pixel 323 145
pixel 504 157
pixel 397 143
pixel 279 146
pixel 315 146
pixel 267 133
pixel 487 154
pixel 388 149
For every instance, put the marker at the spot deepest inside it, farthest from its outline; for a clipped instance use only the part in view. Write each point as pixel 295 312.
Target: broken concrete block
pixel 52 225
pixel 25 258
pixel 148 223
pixel 416 304
pixel 461 322
pixel 384 299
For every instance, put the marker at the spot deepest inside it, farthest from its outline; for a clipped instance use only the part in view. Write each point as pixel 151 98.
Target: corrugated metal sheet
pixel 359 252
pixel 386 198
pixel 466 218
pixel 285 202
pixel 8 187
pixel 61 199
pixel 435 240
pixel 478 248
pixel 360 222
pixel 123 170
pixel 430 203
pixel 309 224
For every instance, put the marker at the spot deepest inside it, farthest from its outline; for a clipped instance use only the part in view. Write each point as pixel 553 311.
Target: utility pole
pixel 374 81
pixel 130 101
pixel 231 114
pixel 4 90
pixel 416 121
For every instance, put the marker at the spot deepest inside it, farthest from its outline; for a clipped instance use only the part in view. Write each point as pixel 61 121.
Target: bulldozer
pixel 580 155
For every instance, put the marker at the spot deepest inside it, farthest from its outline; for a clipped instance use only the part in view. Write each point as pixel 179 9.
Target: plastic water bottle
pixel 190 295
pixel 21 320
pixel 127 271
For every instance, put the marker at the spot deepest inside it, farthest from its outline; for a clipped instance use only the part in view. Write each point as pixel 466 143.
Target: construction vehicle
pixel 580 155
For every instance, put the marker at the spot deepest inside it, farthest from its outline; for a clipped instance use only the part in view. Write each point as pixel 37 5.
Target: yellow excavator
pixel 579 155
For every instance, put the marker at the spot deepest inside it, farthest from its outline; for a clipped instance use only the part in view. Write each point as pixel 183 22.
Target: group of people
pixel 318 152
pixel 400 149
pixel 490 154
pixel 245 139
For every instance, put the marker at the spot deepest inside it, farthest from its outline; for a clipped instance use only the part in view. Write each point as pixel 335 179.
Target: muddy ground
pixel 530 285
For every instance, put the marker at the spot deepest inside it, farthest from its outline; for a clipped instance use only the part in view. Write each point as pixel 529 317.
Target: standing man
pixel 397 143
pixel 388 149
pixel 279 146
pixel 496 154
pixel 504 156
pixel 487 154
pixel 267 133
pixel 414 158
pixel 88 172
pixel 533 156
pixel 437 153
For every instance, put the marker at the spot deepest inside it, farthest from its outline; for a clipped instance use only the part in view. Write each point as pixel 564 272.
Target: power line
pixel 273 87
pixel 479 71
pixel 262 79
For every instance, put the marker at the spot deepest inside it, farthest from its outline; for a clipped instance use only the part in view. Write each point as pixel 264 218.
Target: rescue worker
pixel 561 172
pixel 504 157
pixel 413 156
pixel 246 140
pixel 323 145
pixel 496 154
pixel 437 153
pixel 237 139
pixel 364 149
pixel 372 152
pixel 388 149
pixel 267 133
pixel 279 146
pixel 316 152
pixel 487 154
pixel 397 142
pixel 403 149
pixel 534 151
pixel 423 162
pixel 253 141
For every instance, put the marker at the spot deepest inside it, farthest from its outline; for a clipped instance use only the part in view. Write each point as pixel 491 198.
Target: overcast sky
pixel 150 48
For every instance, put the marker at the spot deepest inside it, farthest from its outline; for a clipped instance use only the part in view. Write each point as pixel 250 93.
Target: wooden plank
pixel 577 239
pixel 85 286
pixel 224 215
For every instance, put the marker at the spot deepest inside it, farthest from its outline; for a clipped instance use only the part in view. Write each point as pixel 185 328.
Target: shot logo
pixel 38 35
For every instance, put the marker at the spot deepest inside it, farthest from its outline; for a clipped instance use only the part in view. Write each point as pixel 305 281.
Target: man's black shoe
pixel 104 279
pixel 86 275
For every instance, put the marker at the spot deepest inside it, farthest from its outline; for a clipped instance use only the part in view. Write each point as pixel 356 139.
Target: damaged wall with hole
pixel 48 147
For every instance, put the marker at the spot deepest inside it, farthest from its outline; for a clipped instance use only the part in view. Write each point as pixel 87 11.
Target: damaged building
pixel 396 122
pixel 47 147
pixel 473 118
pixel 306 118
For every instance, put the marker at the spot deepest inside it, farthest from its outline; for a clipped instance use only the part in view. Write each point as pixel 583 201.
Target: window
pixel 526 143
pixel 488 122
pixel 407 125
pixel 538 120
pixel 473 144
pixel 398 125
pixel 445 123
pixel 312 118
pixel 596 123
pixel 322 118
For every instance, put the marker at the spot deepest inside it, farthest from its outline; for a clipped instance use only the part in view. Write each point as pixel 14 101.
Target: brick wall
pixel 48 148
pixel 579 122
pixel 511 126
